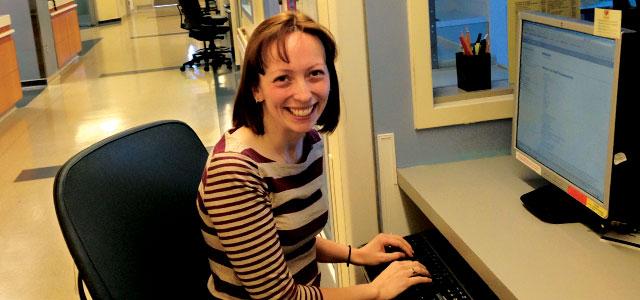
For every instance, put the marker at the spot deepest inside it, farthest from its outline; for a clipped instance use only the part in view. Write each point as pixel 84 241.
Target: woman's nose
pixel 302 90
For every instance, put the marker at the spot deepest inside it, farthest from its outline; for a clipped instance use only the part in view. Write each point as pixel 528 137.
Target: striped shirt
pixel 260 219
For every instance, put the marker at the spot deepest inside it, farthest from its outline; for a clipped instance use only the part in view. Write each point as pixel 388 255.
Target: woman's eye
pixel 280 78
pixel 317 73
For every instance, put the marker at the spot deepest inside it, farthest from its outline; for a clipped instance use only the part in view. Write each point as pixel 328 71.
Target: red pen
pixel 468 36
pixel 466 48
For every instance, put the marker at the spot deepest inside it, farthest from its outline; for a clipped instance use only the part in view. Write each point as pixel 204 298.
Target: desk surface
pixel 476 205
pixel 5 20
pixel 59 3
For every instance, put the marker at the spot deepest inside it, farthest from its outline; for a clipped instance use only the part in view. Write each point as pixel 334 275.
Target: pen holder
pixel 474 71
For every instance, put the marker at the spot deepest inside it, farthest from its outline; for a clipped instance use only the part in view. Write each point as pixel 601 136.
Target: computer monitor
pixel 568 110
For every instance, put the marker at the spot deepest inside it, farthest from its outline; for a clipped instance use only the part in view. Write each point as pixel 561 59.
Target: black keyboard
pixel 445 284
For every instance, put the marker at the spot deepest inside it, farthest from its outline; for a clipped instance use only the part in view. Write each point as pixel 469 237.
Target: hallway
pixel 129 77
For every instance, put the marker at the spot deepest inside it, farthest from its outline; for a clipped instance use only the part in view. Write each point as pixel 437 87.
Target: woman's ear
pixel 257 94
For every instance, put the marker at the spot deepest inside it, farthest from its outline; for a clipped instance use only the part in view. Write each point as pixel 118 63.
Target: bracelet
pixel 349 256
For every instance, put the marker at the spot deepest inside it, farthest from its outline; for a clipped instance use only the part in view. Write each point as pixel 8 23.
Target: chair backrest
pixel 192 13
pixel 127 210
pixel 183 22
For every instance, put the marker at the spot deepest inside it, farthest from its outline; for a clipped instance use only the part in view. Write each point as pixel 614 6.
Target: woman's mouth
pixel 302 112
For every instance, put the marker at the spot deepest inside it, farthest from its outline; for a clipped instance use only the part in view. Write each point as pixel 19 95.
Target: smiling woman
pixel 260 197
pixel 295 87
pixel 269 45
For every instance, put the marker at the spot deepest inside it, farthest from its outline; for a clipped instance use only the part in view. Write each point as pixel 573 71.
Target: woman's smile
pixel 302 111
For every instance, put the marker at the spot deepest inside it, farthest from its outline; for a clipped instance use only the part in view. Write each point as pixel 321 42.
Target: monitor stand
pixel 552 205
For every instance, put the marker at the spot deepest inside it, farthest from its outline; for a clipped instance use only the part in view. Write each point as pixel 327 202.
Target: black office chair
pixel 126 207
pixel 207 29
pixel 211 6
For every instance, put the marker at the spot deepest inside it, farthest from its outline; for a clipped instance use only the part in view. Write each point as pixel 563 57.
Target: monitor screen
pixel 565 97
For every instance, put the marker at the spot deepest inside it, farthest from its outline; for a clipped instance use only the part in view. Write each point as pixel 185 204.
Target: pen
pixel 466 48
pixel 479 38
pixel 468 36
pixel 483 46
pixel 476 48
pixel 488 48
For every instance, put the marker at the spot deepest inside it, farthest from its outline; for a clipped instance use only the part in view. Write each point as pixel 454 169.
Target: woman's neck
pixel 280 147
pixel 289 149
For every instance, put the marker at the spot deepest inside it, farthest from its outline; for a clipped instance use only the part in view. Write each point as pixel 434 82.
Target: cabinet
pixel 66 33
pixel 10 87
pixel 108 10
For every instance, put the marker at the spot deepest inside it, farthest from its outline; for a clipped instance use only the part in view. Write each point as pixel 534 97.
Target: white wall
pixel 110 9
pixel 142 2
pixel 309 7
pixel 350 147
pixel 106 10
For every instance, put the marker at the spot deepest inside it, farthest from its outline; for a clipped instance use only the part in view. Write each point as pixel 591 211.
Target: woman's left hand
pixel 373 253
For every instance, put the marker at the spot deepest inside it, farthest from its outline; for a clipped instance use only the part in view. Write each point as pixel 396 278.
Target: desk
pixel 10 86
pixel 66 30
pixel 476 205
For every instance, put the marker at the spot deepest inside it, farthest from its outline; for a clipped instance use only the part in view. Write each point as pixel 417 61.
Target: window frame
pixel 427 111
pixel 247 8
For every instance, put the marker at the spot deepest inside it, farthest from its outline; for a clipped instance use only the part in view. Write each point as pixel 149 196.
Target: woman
pixel 261 197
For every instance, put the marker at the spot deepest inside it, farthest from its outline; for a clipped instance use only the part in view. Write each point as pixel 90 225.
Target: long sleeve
pixel 236 202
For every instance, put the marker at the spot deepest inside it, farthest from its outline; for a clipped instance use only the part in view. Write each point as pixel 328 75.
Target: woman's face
pixel 294 94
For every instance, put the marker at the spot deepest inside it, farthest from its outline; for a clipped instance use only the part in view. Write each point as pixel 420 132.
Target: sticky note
pixel 576 194
pixel 593 206
pixel 607 23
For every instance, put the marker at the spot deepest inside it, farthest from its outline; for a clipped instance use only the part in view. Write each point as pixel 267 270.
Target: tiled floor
pixel 128 77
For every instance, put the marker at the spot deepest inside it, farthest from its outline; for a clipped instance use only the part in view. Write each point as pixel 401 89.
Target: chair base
pixel 209 57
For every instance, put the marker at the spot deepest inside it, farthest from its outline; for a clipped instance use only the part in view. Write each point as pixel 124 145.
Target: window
pixel 436 72
pixel 247 8
pixel 435 27
pixel 479 18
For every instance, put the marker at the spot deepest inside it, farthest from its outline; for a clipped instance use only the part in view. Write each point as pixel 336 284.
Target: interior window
pixel 453 18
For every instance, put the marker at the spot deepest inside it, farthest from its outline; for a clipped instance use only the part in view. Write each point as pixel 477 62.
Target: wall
pixel 46 37
pixel 249 23
pixel 462 8
pixel 123 6
pixel 308 7
pixel 271 7
pixel 107 10
pixel 165 2
pixel 86 13
pixel 351 171
pixel 138 3
pixel 498 30
pixel 389 72
pixel 83 7
pixel 23 37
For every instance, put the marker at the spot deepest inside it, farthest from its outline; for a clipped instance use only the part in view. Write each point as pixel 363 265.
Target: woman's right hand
pixel 399 276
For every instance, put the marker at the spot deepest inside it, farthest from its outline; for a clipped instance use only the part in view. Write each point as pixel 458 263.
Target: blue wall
pixel 23 37
pixel 498 30
pixel 390 76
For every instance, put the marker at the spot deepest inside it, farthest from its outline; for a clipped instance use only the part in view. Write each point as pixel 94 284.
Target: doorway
pixel 86 13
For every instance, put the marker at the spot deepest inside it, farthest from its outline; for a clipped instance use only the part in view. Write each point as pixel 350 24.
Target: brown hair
pixel 246 112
